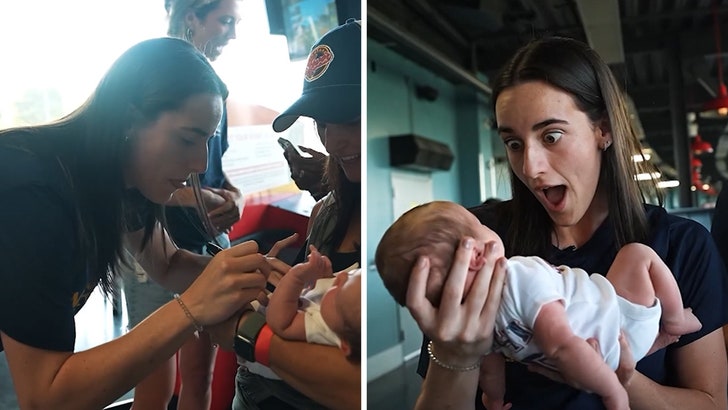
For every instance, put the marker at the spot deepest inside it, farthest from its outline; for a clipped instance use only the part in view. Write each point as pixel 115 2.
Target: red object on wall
pixel 275 211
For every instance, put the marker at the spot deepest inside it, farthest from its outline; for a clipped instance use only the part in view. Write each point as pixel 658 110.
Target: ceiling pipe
pixel 423 7
pixel 386 26
pixel 603 28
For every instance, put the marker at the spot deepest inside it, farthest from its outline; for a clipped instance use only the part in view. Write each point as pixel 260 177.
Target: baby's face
pixel 482 236
pixel 342 300
pixel 481 233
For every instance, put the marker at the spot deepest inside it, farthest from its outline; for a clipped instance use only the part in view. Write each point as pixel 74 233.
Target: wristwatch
pixel 247 335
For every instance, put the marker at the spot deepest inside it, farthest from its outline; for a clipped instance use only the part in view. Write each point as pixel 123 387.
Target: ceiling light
pixel 641 157
pixel 668 184
pixel 647 176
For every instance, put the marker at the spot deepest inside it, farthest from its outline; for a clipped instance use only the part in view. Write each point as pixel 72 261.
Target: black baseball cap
pixel 332 82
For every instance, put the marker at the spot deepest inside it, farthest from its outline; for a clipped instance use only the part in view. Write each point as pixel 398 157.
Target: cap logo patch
pixel 318 62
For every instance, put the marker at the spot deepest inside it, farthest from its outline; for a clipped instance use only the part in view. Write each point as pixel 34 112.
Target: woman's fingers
pixel 495 291
pixel 248 280
pixel 249 263
pixel 626 366
pixel 283 243
pixel 242 249
pixel 278 265
pixel 454 287
pixel 476 296
pixel 419 306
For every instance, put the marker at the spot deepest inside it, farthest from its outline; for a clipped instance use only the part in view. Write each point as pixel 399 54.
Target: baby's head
pixel 434 230
pixel 341 310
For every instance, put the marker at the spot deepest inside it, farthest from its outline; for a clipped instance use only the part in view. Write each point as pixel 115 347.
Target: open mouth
pixel 554 195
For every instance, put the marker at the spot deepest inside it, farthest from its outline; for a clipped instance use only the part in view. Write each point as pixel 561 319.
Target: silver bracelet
pixel 444 365
pixel 197 326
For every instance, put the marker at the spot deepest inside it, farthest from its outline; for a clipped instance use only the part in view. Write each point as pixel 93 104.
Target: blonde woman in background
pixel 208 25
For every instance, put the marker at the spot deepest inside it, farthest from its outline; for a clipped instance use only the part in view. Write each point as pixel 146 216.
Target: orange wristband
pixel 262 345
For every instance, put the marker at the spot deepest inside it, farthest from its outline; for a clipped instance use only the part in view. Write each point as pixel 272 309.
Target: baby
pixel 546 312
pixel 330 313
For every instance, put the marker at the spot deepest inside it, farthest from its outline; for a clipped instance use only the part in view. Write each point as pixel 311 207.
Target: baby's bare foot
pixel 683 324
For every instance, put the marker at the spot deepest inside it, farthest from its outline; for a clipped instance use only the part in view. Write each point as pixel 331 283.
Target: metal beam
pixel 602 27
pixel 386 26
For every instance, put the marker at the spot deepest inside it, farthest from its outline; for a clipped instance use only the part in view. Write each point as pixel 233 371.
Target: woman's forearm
pixel 447 389
pixel 700 371
pixel 184 267
pixel 96 377
pixel 320 372
pixel 646 394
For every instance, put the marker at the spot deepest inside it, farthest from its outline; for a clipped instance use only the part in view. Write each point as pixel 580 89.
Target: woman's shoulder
pixel 21 167
pixel 680 241
pixel 664 224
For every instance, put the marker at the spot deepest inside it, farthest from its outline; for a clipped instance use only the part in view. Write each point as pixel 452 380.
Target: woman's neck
pixel 352 239
pixel 578 234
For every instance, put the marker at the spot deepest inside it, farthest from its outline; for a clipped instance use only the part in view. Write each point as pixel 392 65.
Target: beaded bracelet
pixel 444 365
pixel 197 326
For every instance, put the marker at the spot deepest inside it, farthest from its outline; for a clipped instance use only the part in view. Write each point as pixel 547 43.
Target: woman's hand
pixel 224 216
pixel 223 333
pixel 233 278
pixel 461 328
pixel 211 199
pixel 308 172
pixel 282 244
pixel 279 268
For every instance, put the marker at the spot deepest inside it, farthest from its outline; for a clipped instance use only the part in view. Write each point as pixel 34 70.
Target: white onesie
pixel 593 308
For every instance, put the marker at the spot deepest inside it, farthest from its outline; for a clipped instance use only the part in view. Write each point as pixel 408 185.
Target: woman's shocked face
pixel 166 151
pixel 552 146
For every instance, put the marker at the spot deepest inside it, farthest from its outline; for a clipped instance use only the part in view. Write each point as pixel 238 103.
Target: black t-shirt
pixel 719 225
pixel 43 281
pixel 687 249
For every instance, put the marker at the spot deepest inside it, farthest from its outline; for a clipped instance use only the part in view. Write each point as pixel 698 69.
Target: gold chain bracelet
pixel 444 365
pixel 197 326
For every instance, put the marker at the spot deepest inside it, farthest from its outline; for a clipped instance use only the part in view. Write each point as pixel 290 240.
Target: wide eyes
pixel 552 136
pixel 513 144
pixel 549 138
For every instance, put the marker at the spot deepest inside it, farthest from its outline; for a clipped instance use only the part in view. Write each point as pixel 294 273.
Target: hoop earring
pixel 188 35
pixel 607 143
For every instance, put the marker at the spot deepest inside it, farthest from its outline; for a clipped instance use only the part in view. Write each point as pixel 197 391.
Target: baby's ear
pixel 477 259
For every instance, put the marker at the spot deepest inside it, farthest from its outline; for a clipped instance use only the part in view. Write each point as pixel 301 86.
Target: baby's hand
pixel 317 266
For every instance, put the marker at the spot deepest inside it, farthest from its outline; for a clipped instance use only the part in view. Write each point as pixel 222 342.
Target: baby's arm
pixel 282 313
pixel 578 362
pixel 492 381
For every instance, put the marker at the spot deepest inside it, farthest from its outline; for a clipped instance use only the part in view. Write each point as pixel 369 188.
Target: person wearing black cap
pixel 315 376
